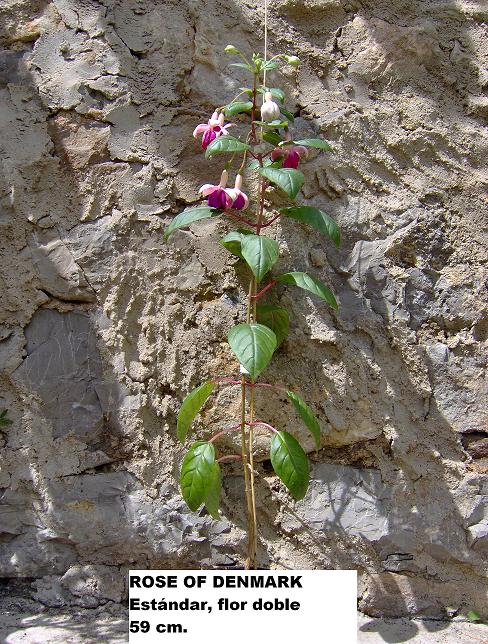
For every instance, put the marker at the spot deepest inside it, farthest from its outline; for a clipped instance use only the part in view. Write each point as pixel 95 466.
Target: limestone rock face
pixel 104 327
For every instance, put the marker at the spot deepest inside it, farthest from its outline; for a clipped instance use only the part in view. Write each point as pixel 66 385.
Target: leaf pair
pixel 260 253
pixel 200 478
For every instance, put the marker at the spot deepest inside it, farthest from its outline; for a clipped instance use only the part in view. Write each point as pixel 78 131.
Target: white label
pixel 242 607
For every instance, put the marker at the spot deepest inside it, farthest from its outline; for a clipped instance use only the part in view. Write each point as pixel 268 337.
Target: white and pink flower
pixel 212 130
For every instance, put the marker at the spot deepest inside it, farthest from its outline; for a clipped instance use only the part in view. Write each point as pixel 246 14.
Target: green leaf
pixel 253 344
pixel 243 66
pixel 233 240
pixel 197 473
pixel 314 143
pixel 190 407
pixel 275 318
pixel 288 179
pixel 187 217
pixel 225 143
pixel 260 253
pixel 309 283
pixel 275 92
pixel 316 218
pixel 307 415
pixel 272 137
pixel 237 108
pixel 474 616
pixel 272 124
pixel 212 500
pixel 290 463
pixel 269 64
pixel 288 114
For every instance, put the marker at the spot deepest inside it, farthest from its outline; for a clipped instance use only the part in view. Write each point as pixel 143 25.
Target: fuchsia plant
pixel 275 159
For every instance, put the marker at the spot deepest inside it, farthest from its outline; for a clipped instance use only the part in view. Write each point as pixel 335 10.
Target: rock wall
pixel 104 328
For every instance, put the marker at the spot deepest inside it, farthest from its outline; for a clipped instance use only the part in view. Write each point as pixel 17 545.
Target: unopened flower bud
pixel 223 178
pixel 292 60
pixel 230 49
pixel 270 110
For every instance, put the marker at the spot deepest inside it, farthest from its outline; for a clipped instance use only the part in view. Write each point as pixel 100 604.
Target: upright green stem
pixel 248 450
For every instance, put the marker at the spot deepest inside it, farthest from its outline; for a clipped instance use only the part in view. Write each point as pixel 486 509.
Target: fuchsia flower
pixel 222 197
pixel 211 130
pixel 291 154
pixel 240 198
pixel 218 196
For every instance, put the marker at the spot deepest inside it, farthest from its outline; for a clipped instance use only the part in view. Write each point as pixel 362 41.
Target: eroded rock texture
pixel 104 328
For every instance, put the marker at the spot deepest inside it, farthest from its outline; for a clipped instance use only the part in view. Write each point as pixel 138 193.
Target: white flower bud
pixel 270 110
pixel 224 178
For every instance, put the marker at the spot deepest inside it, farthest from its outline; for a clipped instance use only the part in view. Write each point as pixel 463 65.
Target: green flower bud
pixel 230 49
pixel 292 60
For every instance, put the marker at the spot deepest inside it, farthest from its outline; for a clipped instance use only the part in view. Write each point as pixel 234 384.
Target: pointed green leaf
pixel 316 218
pixel 307 415
pixel 272 124
pixel 261 253
pixel 187 217
pixel 197 473
pixel 275 318
pixel 272 137
pixel 190 408
pixel 243 66
pixel 288 114
pixel 212 500
pixel 290 463
pixel 237 108
pixel 269 64
pixel 233 240
pixel 288 179
pixel 225 143
pixel 314 143
pixel 309 283
pixel 253 344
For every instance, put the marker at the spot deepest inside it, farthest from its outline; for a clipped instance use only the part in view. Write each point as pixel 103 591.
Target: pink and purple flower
pixel 291 155
pixel 221 197
pixel 211 130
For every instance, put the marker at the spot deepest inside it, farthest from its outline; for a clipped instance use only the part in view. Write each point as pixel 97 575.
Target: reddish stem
pixel 232 428
pixel 230 457
pixel 241 219
pixel 271 221
pixel 267 425
pixel 263 291
pixel 229 381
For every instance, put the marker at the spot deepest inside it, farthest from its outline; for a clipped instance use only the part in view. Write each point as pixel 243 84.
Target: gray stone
pixel 346 500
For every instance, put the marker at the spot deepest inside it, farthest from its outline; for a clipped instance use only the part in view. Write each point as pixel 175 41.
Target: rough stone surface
pixel 104 327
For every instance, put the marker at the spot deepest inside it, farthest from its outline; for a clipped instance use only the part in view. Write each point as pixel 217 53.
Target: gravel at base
pixel 24 621
pixel 373 630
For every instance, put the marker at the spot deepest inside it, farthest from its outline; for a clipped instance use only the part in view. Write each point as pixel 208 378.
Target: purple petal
pixel 292 160
pixel 207 138
pixel 218 199
pixel 240 202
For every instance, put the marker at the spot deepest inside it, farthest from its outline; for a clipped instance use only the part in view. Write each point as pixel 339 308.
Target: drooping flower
pixel 211 130
pixel 240 199
pixel 291 155
pixel 218 196
pixel 270 111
